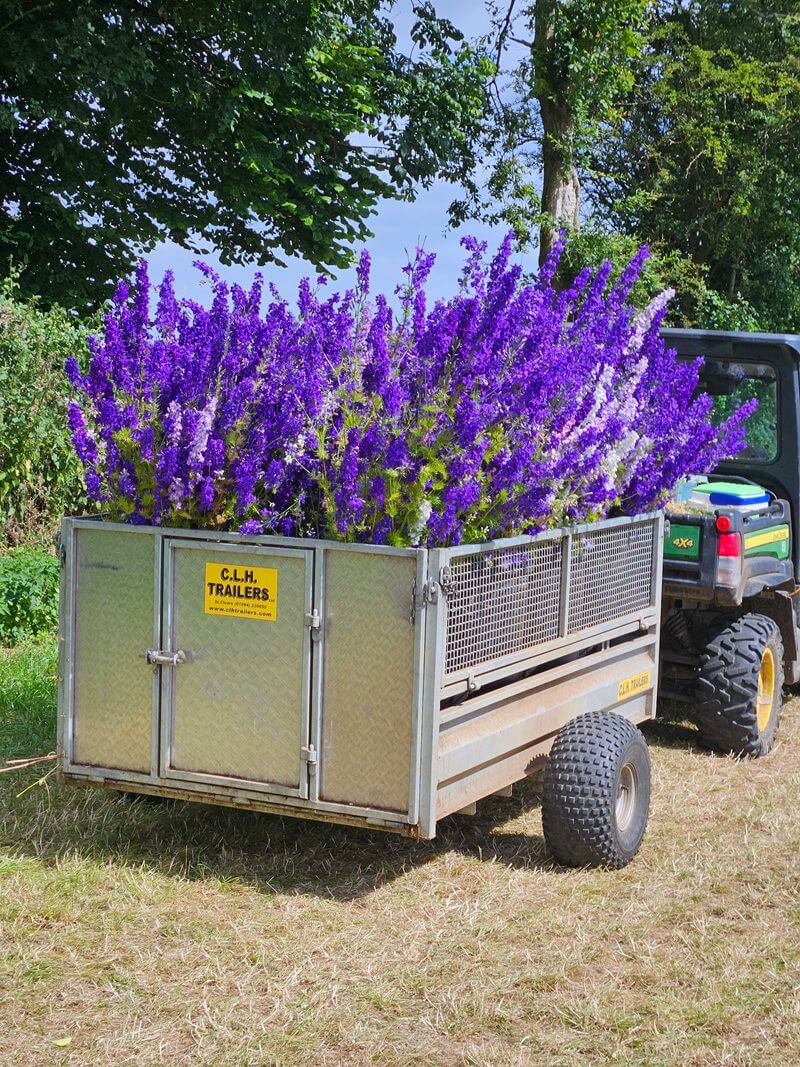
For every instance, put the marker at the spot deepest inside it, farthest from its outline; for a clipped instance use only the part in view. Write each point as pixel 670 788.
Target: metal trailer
pixel 361 684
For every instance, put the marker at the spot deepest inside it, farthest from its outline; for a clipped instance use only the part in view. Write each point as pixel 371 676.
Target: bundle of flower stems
pixel 512 407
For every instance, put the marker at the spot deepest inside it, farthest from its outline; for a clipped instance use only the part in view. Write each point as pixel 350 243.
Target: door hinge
pixel 430 591
pixel 308 754
pixel 314 623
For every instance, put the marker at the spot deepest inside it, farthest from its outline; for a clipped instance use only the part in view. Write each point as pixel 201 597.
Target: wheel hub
pixel 626 796
pixel 766 690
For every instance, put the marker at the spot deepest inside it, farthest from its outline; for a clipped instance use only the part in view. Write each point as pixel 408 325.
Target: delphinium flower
pixel 512 407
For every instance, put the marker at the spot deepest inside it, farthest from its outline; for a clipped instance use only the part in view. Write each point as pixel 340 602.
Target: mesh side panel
pixel 502 602
pixel 610 575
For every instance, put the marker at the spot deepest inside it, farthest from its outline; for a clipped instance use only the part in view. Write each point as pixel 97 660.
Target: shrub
pixel 695 304
pixel 29 580
pixel 507 409
pixel 40 476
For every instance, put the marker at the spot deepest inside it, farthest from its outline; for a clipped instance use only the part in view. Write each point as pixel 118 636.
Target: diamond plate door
pixel 367 735
pixel 236 708
pixel 110 688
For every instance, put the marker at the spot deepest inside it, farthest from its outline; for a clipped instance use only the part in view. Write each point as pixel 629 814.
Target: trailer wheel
pixel 596 792
pixel 739 686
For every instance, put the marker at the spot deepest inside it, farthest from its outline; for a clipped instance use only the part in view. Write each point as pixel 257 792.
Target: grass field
pixel 184 934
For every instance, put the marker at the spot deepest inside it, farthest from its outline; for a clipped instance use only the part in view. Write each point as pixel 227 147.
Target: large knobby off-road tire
pixel 596 795
pixel 739 686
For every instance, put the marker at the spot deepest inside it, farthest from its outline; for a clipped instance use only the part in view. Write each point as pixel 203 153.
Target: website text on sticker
pixel 242 592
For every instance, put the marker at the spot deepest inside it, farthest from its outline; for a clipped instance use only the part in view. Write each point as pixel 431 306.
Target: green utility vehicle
pixel 731 598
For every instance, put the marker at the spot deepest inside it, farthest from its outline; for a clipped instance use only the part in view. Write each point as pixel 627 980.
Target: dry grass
pixel 178 934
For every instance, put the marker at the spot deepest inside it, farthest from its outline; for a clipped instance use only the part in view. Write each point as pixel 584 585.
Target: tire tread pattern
pixel 727 685
pixel 578 800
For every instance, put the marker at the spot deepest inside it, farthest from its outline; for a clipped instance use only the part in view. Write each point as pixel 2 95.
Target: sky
pixel 399 226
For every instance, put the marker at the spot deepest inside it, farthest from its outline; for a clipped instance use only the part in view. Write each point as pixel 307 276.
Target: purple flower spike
pixel 509 408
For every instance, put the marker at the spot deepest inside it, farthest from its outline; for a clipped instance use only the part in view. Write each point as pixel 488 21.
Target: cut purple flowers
pixel 507 409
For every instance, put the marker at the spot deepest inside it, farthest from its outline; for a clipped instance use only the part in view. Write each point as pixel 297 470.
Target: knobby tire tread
pixel 727 685
pixel 579 790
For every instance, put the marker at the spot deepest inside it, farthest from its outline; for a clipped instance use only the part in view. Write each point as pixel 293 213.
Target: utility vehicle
pixel 731 599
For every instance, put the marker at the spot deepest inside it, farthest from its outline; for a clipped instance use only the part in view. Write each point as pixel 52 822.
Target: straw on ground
pixel 179 934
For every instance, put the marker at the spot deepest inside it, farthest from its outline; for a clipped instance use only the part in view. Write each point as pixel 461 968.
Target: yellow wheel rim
pixel 766 690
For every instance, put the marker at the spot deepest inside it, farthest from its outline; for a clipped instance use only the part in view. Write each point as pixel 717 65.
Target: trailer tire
pixel 596 794
pixel 739 686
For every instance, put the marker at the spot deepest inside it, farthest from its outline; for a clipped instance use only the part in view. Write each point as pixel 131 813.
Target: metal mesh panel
pixel 502 602
pixel 610 574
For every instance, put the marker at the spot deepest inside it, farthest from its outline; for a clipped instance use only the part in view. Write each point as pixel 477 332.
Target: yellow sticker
pixel 635 684
pixel 768 537
pixel 244 592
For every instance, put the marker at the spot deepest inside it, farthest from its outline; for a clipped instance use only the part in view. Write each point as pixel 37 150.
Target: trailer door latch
pixel 314 623
pixel 308 754
pixel 446 581
pixel 165 659
pixel 420 600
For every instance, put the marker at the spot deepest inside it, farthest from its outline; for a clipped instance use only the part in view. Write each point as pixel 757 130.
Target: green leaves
pixel 40 477
pixel 706 163
pixel 258 130
pixel 564 65
pixel 28 594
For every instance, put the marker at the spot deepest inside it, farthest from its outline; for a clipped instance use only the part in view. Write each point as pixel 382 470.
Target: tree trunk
pixel 561 189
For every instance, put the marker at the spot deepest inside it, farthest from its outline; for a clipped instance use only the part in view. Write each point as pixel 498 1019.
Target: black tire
pixel 733 712
pixel 596 760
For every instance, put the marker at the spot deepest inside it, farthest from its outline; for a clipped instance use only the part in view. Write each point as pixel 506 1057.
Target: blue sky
pixel 398 226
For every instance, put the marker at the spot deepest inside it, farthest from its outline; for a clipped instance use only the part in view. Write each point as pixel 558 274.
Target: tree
pixel 706 159
pixel 253 127
pixel 572 63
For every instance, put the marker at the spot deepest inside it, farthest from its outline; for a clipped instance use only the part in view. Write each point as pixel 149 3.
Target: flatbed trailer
pixel 369 685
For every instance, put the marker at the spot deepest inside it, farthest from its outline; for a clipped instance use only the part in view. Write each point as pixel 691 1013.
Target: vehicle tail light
pixel 729 559
pixel 730 544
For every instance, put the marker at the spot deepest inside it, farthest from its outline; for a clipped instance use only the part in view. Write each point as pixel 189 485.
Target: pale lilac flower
pixel 509 408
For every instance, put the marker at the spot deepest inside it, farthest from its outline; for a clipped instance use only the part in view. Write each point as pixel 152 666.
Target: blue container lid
pixel 733 499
